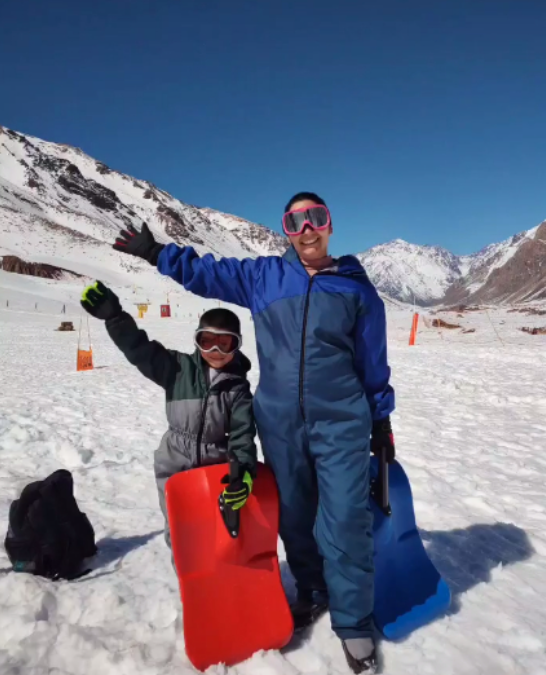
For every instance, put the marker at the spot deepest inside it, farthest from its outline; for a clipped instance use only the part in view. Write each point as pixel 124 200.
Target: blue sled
pixel 409 591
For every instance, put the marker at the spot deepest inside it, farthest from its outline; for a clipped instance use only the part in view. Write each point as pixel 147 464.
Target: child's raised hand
pixel 100 302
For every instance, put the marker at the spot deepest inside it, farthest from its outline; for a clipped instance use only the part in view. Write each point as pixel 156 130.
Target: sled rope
pixel 85 356
pixel 80 332
pixel 494 327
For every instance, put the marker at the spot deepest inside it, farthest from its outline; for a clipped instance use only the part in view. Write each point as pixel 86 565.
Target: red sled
pixel 233 601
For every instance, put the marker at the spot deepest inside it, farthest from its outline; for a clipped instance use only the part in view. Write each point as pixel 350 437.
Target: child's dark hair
pixel 222 319
pixel 302 196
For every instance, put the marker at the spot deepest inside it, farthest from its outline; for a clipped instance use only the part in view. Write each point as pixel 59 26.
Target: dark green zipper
pixel 213 387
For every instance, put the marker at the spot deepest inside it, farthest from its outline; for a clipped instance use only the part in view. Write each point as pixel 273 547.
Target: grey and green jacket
pixel 208 421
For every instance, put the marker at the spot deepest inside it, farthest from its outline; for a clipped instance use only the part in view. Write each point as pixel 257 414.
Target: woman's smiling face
pixel 311 245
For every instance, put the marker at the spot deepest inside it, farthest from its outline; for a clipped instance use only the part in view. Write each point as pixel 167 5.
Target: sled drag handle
pixel 232 519
pixel 384 480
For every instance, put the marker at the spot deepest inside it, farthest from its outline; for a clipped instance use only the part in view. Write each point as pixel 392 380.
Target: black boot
pixel 308 608
pixel 360 655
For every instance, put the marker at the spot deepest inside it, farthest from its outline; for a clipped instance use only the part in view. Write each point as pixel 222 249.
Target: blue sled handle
pixel 384 473
pixel 381 491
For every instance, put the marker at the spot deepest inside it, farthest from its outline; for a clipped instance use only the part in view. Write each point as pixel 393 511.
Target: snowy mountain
pixel 408 271
pixel 60 207
pixel 260 239
pixel 511 271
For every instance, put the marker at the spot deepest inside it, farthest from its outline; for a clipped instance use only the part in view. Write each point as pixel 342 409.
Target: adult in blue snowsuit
pixel 323 392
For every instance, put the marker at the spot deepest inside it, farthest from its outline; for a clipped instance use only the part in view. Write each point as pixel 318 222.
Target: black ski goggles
pixel 317 217
pixel 213 339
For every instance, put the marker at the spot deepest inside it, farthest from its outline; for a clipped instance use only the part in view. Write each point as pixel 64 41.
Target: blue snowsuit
pixel 323 378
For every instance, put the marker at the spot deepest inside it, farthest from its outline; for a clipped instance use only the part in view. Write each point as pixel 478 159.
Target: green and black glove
pixel 101 302
pixel 237 492
pixel 235 496
pixel 140 244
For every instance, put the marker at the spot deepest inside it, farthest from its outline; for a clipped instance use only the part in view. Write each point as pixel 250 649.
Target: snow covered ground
pixel 470 430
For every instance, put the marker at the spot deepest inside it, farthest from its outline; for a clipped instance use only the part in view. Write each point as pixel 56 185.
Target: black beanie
pixel 221 319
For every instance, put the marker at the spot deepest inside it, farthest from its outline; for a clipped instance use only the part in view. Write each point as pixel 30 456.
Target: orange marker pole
pixel 413 333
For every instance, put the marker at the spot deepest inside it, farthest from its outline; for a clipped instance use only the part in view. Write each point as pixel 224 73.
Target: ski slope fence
pixel 71 307
pixel 496 326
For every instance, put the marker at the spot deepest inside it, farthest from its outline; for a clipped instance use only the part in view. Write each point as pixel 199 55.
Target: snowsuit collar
pixel 347 265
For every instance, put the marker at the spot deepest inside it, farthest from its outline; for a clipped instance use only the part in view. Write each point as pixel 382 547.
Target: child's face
pixel 216 360
pixel 224 342
pixel 311 245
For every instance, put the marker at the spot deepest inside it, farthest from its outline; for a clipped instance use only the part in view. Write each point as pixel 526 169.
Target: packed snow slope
pixel 469 427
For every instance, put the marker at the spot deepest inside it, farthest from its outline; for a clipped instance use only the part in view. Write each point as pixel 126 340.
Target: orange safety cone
pixel 414 325
pixel 85 356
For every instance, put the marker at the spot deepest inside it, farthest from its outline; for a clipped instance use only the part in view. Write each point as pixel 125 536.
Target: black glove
pixel 140 244
pixel 382 438
pixel 101 302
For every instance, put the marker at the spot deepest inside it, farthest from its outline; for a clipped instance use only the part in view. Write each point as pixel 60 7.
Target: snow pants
pixel 325 518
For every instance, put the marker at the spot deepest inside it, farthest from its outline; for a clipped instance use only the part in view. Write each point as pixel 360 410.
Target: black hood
pixel 240 365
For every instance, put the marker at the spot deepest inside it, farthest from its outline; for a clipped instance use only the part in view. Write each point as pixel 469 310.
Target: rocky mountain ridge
pixel 61 208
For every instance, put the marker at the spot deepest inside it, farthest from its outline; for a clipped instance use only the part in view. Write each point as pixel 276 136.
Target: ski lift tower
pixel 142 308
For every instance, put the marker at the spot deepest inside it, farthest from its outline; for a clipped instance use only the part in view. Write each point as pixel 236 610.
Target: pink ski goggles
pixel 317 217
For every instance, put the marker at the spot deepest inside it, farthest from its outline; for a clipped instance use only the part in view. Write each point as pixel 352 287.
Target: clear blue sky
pixel 416 119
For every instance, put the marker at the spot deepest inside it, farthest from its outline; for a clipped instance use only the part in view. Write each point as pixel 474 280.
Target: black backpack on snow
pixel 48 535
